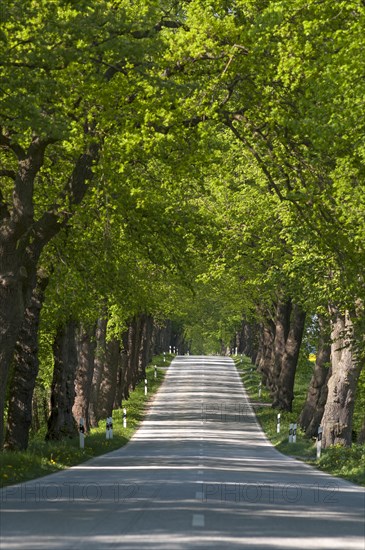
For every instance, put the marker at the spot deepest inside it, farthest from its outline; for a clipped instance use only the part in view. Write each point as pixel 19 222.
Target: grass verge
pixel 345 462
pixel 45 457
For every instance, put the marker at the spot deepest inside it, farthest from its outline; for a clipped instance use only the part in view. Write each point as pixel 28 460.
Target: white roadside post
pixel 164 357
pixel 107 428
pixel 294 433
pixel 145 386
pixel 278 424
pixel 260 388
pixel 319 442
pixel 155 373
pixel 124 418
pixel 82 433
pixel 291 433
pixel 169 349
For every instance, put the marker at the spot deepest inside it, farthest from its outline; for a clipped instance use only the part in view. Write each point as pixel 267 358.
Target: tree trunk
pixel 22 239
pixel 145 346
pixel 61 423
pixel 25 371
pixel 282 327
pixel 149 348
pixel 284 395
pixel 249 341
pixel 121 392
pixel 312 412
pixel 339 409
pixel 99 363
pixel 84 374
pixel 11 317
pixel 265 357
pixel 131 375
pixel 109 380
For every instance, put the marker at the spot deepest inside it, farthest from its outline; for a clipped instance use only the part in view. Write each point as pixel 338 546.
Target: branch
pixel 8 174
pixel 163 23
pixel 52 221
pixel 6 143
pixel 260 161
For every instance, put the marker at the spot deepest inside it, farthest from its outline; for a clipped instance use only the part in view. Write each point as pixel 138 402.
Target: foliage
pixel 346 462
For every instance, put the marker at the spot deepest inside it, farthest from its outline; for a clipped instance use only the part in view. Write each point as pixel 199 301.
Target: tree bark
pixel 265 356
pixel 109 379
pixel 249 341
pixel 61 423
pixel 99 363
pixel 132 376
pixel 22 239
pixel 84 374
pixel 25 371
pixel 339 409
pixel 145 345
pixel 312 412
pixel 282 327
pixel 122 391
pixel 283 398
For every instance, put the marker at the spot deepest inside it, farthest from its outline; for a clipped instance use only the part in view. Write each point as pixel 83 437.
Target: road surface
pixel 199 473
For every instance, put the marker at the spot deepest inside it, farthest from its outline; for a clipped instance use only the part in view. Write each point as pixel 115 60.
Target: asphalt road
pixel 199 473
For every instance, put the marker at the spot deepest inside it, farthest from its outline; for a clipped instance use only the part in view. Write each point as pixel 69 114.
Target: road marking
pixel 198 520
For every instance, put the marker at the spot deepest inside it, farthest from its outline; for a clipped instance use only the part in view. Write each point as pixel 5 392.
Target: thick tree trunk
pixel 339 409
pixel 121 392
pixel 149 340
pixel 165 337
pixel 265 356
pixel 249 344
pixel 135 343
pixel 282 327
pixel 22 239
pixel 145 345
pixel 284 395
pixel 99 363
pixel 127 382
pixel 312 412
pixel 11 317
pixel 61 423
pixel 84 374
pixel 109 379
pixel 25 371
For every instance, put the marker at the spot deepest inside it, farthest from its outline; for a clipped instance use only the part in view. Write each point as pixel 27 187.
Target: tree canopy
pixel 195 161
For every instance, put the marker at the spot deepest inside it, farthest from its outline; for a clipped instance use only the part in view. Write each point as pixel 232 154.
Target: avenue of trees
pixel 174 173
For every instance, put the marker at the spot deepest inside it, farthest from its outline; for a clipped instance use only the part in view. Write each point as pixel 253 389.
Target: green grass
pixel 348 463
pixel 45 457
